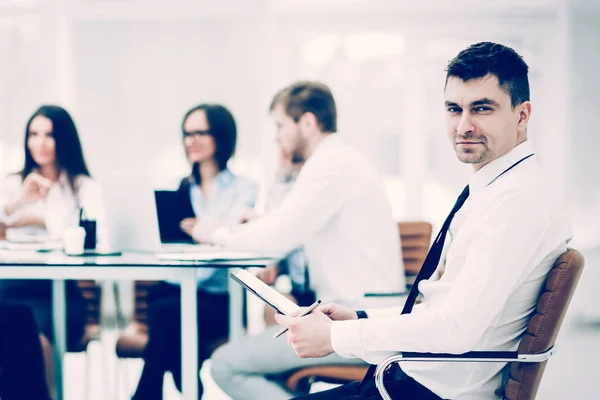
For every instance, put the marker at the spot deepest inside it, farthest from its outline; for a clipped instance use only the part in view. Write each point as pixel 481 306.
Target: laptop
pixel 132 217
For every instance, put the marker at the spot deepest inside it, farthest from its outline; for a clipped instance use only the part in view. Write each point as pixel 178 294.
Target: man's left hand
pixel 309 336
pixel 204 228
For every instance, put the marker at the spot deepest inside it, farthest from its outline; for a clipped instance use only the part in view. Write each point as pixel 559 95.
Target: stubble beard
pixel 471 156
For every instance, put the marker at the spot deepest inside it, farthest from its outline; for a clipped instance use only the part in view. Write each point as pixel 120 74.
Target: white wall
pixel 583 161
pixel 128 70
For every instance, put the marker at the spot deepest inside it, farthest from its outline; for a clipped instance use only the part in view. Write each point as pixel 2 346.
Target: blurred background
pixel 127 70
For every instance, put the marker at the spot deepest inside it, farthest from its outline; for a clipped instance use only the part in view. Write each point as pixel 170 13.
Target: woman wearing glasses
pixel 218 196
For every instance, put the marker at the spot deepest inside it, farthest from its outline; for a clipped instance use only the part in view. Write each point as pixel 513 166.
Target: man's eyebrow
pixel 484 102
pixel 450 104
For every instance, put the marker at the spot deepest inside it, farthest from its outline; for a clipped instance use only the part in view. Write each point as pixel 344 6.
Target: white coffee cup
pixel 74 240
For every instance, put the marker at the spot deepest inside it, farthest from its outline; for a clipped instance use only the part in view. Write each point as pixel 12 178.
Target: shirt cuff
pixel 345 338
pixel 375 313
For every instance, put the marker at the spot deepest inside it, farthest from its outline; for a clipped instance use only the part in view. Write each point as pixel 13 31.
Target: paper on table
pixel 266 293
pixel 213 256
pixel 32 246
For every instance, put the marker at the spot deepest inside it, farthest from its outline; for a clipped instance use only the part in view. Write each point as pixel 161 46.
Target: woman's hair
pixel 222 128
pixel 69 154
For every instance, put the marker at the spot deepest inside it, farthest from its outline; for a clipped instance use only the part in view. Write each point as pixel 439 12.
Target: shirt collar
pixel 222 179
pixel 490 171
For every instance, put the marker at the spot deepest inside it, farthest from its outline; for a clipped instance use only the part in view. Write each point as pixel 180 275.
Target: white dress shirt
pixel 60 209
pixel 504 241
pixel 338 210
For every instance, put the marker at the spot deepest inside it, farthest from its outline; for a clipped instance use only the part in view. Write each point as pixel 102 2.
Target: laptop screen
pixel 171 208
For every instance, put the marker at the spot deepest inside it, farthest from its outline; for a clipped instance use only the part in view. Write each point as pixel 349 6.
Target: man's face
pixel 481 123
pixel 289 135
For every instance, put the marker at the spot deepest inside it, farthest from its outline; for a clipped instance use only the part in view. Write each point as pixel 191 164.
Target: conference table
pixel 58 267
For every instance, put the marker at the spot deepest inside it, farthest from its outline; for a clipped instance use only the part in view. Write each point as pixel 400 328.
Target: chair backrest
pixel 415 238
pixel 92 293
pixel 141 290
pixel 525 378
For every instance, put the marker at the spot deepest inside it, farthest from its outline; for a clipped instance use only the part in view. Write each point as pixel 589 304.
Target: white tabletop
pixel 58 266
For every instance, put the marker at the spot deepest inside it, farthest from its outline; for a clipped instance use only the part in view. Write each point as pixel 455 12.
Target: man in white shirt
pixel 338 211
pixel 503 242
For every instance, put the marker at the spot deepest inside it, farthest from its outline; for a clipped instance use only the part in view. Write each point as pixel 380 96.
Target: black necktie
pixel 435 252
pixel 429 265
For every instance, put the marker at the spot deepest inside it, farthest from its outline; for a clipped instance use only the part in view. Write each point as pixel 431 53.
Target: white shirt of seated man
pixel 337 211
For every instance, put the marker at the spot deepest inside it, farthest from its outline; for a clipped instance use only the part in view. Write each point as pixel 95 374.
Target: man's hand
pixel 204 228
pixel 337 312
pixel 287 167
pixel 187 225
pixel 308 336
pixel 249 215
pixel 268 274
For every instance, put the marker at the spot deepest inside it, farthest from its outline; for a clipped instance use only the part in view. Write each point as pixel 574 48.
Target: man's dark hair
pixel 313 97
pixel 504 63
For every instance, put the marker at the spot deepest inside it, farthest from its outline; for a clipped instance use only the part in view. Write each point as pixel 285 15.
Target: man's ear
pixel 524 115
pixel 308 121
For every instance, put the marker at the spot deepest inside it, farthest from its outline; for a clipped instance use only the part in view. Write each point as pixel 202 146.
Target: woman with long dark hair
pixel 44 199
pixel 218 196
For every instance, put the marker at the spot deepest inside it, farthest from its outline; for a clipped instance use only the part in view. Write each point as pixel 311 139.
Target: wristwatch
pixel 361 314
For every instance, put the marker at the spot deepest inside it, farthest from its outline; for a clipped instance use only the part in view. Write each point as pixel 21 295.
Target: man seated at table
pixel 509 229
pixel 337 210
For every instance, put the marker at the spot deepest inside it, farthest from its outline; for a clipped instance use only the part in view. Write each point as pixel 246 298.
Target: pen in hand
pixel 305 312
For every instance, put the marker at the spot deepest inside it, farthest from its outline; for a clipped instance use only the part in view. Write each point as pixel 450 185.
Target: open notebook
pixel 266 293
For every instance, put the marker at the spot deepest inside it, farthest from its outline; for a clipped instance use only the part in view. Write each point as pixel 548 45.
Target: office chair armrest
pixel 472 356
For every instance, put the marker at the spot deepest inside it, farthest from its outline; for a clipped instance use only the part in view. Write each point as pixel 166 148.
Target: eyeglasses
pixel 196 133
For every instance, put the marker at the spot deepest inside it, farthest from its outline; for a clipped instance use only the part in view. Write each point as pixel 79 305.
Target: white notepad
pixel 265 292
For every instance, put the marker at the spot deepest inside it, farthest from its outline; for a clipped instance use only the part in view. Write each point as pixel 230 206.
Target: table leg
pixel 189 336
pixel 236 309
pixel 59 320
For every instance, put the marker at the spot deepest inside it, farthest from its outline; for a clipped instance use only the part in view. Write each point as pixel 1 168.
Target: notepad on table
pixel 265 292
